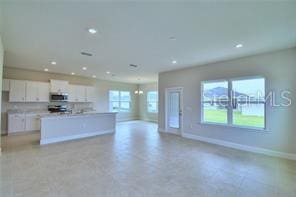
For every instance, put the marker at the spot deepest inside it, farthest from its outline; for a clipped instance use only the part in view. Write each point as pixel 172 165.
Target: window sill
pixel 235 126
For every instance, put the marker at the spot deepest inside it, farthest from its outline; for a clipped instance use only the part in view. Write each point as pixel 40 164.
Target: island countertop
pixel 63 127
pixel 74 115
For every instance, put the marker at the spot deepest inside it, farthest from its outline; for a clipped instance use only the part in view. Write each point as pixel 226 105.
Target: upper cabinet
pixel 90 94
pixel 79 93
pixel 37 91
pixel 59 85
pixel 28 91
pixel 17 91
pixel 43 92
pixel 33 91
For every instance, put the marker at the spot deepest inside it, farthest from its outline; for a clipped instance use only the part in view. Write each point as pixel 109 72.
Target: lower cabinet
pixel 21 122
pixel 32 122
pixel 16 123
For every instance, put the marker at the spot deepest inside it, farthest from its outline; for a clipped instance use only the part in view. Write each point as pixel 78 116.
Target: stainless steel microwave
pixel 59 97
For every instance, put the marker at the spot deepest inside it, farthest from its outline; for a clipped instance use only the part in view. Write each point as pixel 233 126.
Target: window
pixel 152 101
pixel 238 102
pixel 119 101
pixel 215 100
pixel 248 104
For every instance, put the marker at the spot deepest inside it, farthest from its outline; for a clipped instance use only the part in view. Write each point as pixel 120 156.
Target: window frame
pixel 229 106
pixel 147 102
pixel 120 101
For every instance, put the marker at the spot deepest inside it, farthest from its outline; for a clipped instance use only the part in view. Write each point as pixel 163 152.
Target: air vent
pixel 133 65
pixel 85 53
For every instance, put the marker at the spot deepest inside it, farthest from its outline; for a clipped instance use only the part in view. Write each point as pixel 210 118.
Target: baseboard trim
pixel 74 137
pixel 241 147
pixel 149 120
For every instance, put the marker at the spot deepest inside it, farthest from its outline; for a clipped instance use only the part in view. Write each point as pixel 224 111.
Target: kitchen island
pixel 58 128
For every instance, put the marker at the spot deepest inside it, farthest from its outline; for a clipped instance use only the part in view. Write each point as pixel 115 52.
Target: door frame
pixel 167 90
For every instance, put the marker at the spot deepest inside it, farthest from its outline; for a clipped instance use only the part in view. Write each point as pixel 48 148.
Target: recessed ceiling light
pixel 46 69
pixel 92 30
pixel 133 65
pixel 94 76
pixel 84 68
pixel 53 63
pixel 72 73
pixel 172 38
pixel 108 72
pixel 239 46
pixel 174 62
pixel 86 53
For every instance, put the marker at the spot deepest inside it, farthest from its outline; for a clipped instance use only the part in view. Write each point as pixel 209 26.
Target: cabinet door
pixel 43 92
pixel 17 91
pixel 72 93
pixel 32 122
pixel 80 93
pixel 59 86
pixel 31 91
pixel 90 94
pixel 16 123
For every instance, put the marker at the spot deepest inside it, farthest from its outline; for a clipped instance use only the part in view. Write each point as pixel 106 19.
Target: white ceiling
pixel 34 34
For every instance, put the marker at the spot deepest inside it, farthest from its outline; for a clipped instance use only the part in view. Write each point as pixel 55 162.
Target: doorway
pixel 174 110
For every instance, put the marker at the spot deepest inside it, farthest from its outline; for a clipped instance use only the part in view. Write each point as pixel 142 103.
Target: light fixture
pixel 139 92
pixel 84 68
pixel 174 62
pixel 53 63
pixel 108 72
pixel 239 46
pixel 92 30
pixel 94 76
pixel 72 73
pixel 46 69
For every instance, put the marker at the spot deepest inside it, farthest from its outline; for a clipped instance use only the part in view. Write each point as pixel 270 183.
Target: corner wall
pixel 279 68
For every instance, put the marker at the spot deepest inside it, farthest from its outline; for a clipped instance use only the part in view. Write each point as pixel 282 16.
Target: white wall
pixel 143 112
pixel 279 68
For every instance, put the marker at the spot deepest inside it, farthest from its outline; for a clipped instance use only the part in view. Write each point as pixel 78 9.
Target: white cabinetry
pixel 90 94
pixel 5 84
pixel 20 122
pixel 32 122
pixel 16 122
pixel 72 93
pixel 37 91
pixel 76 93
pixel 17 91
pixel 79 93
pixel 31 91
pixel 43 92
pixel 58 85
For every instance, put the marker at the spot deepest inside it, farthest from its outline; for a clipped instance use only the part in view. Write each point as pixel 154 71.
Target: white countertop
pixel 85 114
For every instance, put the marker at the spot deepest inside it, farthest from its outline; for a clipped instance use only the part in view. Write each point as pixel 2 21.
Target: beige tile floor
pixel 138 161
